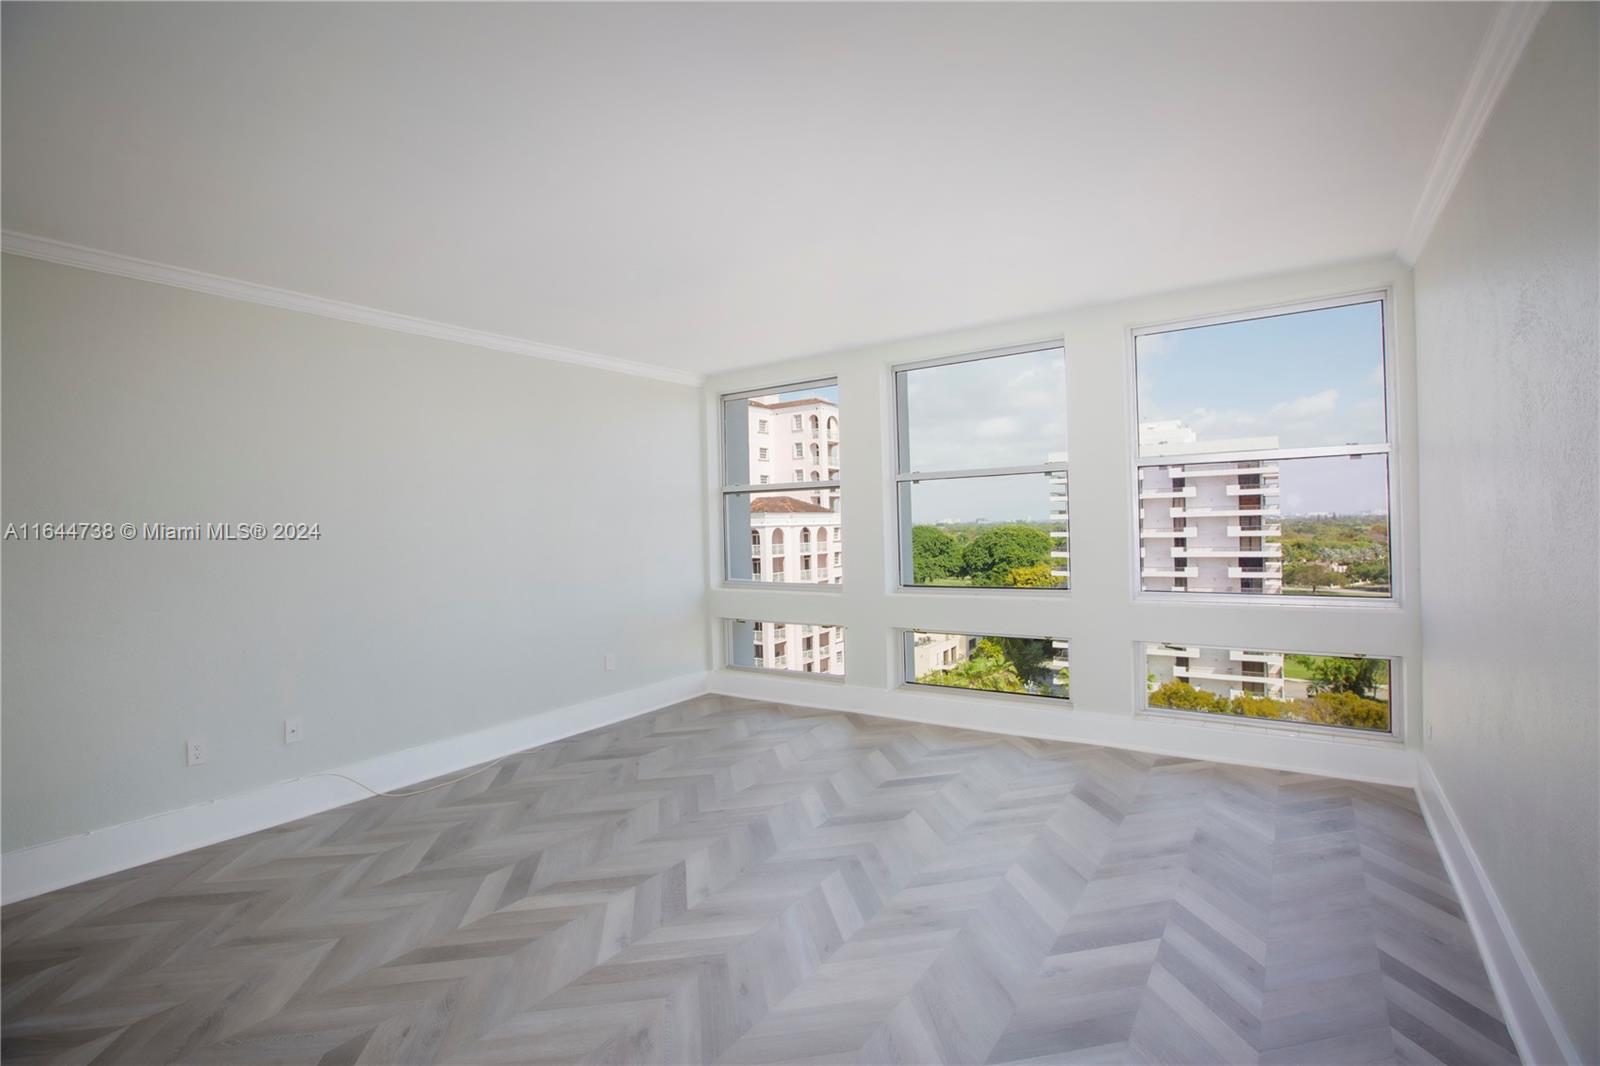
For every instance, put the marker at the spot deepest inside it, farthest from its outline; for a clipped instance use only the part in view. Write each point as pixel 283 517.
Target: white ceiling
pixel 704 187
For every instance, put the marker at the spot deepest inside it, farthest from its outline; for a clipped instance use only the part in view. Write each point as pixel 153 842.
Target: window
pixel 1029 666
pixel 1263 454
pixel 982 470
pixel 761 425
pixel 792 647
pixel 799 450
pixel 763 454
pixel 776 519
pixel 1328 691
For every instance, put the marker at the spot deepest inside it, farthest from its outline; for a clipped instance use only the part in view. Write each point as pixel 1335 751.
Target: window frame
pixel 1391 449
pixel 727 489
pixel 903 477
pixel 1395 735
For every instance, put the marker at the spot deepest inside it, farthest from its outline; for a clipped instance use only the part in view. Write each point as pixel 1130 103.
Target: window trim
pixel 1390 448
pixel 727 489
pixel 904 476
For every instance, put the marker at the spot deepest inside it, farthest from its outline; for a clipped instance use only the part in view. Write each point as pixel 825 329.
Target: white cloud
pixel 998 427
pixel 1313 406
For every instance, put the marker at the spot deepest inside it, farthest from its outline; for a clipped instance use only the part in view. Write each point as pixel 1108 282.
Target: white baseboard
pixel 1531 1017
pixel 69 861
pixel 1236 741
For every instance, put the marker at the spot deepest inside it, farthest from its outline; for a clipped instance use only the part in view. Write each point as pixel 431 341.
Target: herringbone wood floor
pixel 725 881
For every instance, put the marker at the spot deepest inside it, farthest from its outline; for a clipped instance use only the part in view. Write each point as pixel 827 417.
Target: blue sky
pixel 1309 379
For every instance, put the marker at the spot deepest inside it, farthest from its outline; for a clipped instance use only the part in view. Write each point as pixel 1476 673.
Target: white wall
pixel 1507 350
pixel 1101 615
pixel 491 526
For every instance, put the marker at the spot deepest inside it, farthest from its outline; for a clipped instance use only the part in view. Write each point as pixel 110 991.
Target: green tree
pixel 996 552
pixel 1370 571
pixel 935 554
pixel 1031 577
pixel 987 669
pixel 1338 674
pixel 1314 575
pixel 1183 696
pixel 1028 656
pixel 1345 709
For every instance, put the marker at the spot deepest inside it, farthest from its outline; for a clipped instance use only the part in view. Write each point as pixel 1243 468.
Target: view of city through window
pixel 790 533
pixel 1349 692
pixel 983 472
pixel 1262 470
pixel 1024 665
pixel 1263 456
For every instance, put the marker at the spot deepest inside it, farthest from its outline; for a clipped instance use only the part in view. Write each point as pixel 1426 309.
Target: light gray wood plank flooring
pixel 729 881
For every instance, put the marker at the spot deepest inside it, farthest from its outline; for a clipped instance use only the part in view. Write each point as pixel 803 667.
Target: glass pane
pixel 785 435
pixel 1032 666
pixel 1294 527
pixel 801 649
pixel 1002 531
pixel 1301 380
pixel 1009 410
pixel 1347 691
pixel 785 537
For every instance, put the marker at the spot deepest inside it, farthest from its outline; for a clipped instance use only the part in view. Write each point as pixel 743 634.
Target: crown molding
pixel 126 266
pixel 1507 36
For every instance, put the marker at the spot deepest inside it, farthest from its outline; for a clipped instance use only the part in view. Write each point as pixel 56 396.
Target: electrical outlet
pixel 194 751
pixel 611 660
pixel 293 731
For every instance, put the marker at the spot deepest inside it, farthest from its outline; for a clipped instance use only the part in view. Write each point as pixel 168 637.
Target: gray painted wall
pixel 1506 366
pixel 491 526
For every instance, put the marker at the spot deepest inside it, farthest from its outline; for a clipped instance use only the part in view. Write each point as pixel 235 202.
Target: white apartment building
pixel 795 534
pixel 1227 672
pixel 1208 527
pixel 795 440
pixel 939 651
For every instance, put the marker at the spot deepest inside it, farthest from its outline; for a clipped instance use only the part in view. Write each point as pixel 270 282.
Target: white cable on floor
pixel 414 791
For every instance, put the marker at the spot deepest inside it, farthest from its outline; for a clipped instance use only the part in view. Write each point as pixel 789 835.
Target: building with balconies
pixel 1227 672
pixel 1209 526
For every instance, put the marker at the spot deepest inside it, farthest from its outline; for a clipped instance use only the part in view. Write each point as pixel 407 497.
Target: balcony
pixel 1184 493
pixel 1190 672
pixel 1274 572
pixel 1165 651
pixel 1251 490
pixel 1232 471
pixel 1263 531
pixel 1063 574
pixel 1274 551
pixel 1187 571
pixel 806 575
pixel 1225 512
pixel 1269 658
pixel 779 662
pixel 1165 534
